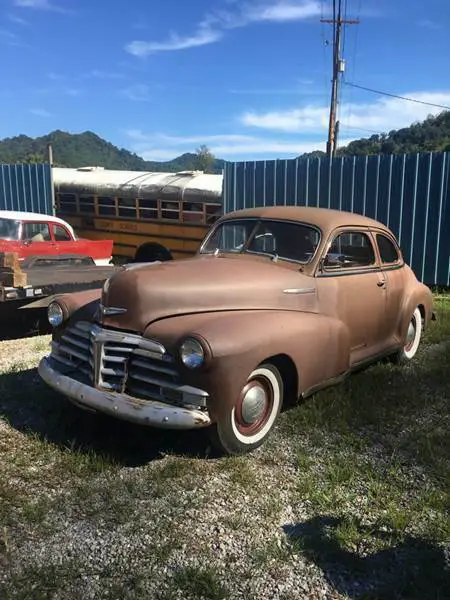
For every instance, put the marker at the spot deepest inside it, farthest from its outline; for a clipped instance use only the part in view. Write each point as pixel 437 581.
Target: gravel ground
pixel 343 501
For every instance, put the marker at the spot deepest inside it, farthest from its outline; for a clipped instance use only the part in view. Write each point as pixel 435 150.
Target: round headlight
pixel 192 353
pixel 55 314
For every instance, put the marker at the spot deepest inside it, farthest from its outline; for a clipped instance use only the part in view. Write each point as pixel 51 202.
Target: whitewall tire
pixel 412 340
pixel 250 421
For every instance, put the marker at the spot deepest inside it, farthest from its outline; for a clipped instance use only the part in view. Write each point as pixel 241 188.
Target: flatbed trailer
pixel 46 277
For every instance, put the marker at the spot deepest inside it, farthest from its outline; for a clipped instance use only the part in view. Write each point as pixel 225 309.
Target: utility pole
pixel 338 68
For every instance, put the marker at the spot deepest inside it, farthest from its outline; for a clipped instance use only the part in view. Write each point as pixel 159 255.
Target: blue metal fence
pixel 26 187
pixel 410 193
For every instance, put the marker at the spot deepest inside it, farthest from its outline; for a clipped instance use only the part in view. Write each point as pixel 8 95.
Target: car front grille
pixel 120 362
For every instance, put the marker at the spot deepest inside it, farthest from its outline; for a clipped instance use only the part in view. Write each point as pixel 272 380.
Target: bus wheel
pixel 152 252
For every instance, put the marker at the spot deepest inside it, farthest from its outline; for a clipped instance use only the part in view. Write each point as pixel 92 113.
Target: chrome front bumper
pixel 123 406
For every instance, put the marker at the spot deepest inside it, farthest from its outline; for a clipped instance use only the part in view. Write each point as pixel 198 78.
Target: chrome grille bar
pixel 124 362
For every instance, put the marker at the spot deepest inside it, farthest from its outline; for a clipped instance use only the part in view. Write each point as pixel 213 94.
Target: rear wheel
pixel 250 421
pixel 412 341
pixel 152 252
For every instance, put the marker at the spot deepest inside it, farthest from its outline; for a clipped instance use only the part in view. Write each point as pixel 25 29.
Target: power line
pixel 361 87
pixel 345 126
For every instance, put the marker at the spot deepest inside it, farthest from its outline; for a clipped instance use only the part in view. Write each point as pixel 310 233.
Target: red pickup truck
pixel 32 234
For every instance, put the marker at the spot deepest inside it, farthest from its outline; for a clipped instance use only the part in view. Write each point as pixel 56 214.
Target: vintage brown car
pixel 278 303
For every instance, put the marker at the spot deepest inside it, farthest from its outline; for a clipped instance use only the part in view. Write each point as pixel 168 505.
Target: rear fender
pixel 420 296
pixel 238 342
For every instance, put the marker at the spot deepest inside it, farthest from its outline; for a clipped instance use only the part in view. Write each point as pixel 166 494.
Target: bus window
pixel 148 209
pixel 170 210
pixel 146 203
pixel 87 204
pixel 66 203
pixel 193 212
pixel 127 207
pixel 106 206
pixel 148 213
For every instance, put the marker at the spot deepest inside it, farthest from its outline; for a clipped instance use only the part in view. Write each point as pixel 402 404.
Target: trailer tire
pixel 152 252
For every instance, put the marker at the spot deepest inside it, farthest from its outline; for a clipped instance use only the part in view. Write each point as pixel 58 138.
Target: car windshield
pixel 9 229
pixel 282 239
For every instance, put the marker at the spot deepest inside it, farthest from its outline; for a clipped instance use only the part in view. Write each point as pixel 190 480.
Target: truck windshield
pixel 9 229
pixel 283 239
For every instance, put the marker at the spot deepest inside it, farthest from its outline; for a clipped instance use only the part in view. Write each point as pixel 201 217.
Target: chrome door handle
pixel 381 283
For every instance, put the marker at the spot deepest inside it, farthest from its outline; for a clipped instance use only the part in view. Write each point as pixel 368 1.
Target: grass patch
pixel 239 470
pixel 199 582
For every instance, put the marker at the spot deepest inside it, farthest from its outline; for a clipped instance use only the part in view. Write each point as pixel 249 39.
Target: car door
pixel 36 239
pixel 64 241
pixel 392 269
pixel 351 288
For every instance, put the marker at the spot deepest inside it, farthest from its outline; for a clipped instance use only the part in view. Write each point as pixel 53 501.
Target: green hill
pixel 431 135
pixel 88 149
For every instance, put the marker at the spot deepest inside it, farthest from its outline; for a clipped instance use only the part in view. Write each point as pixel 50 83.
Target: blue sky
pixel 249 78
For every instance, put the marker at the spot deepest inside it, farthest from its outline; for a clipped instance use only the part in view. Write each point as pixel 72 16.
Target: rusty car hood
pixel 203 284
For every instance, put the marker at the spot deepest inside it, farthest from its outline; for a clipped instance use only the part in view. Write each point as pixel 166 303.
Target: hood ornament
pixel 110 311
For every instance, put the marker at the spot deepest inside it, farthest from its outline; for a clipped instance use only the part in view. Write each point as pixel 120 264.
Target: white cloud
pixel 138 135
pixel 40 112
pixel 99 74
pixel 55 76
pixel 10 38
pixel 297 119
pixel 429 24
pixel 274 91
pixel 382 115
pixel 204 35
pixel 139 92
pixel 72 92
pixel 4 33
pixel 211 28
pixel 41 5
pixel 161 146
pixel 284 11
pixel 18 20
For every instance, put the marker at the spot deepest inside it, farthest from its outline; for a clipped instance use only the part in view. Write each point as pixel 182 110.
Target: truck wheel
pixel 413 336
pixel 152 252
pixel 250 421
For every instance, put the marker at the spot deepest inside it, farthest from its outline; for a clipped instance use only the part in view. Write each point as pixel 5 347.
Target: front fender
pixel 318 345
pixel 77 306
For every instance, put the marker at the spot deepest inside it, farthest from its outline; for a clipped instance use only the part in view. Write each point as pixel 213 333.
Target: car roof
pixel 324 218
pixel 17 215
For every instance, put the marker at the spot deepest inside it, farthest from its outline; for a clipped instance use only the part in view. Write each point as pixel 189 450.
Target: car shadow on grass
pixel 29 406
pixel 405 568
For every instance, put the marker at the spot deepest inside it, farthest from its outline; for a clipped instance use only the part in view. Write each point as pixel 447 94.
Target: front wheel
pixel 250 421
pixel 412 341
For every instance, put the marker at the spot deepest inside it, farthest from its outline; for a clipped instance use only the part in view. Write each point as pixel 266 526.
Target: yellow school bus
pixel 150 216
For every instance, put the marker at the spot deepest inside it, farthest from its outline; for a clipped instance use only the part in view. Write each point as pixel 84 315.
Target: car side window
pixel 349 250
pixel 61 234
pixel 388 251
pixel 36 232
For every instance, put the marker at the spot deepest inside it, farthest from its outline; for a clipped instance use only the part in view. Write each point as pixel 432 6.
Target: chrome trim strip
pixel 299 291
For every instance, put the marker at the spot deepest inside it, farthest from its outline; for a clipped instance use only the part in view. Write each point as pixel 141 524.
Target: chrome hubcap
pixel 253 404
pixel 411 334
